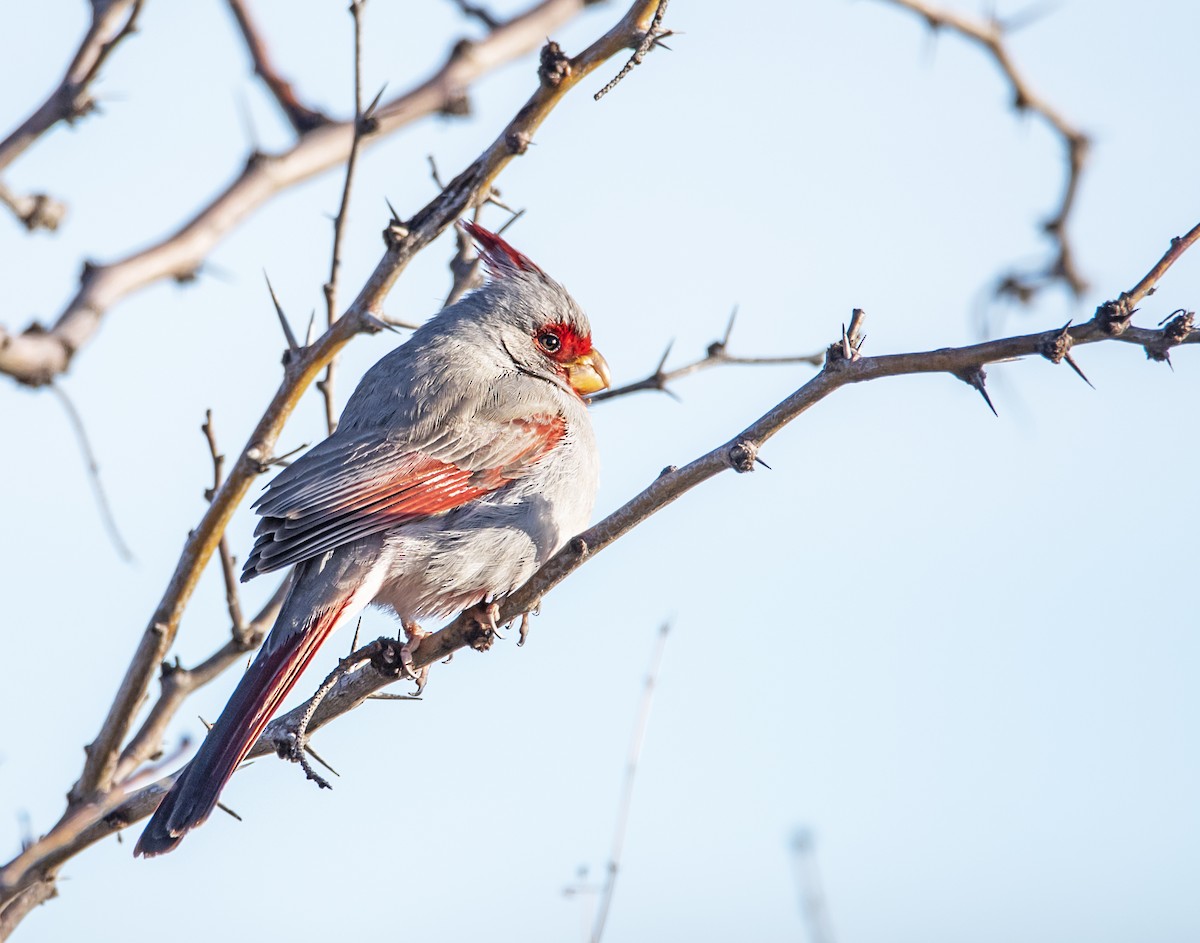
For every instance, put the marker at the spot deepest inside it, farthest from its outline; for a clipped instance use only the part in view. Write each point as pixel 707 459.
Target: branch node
pixel 554 65
pixel 977 377
pixel 1114 317
pixel 742 455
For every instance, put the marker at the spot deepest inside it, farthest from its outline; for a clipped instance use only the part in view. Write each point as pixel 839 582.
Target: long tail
pixel 303 624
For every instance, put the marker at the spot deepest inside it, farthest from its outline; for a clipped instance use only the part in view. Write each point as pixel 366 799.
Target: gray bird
pixel 463 461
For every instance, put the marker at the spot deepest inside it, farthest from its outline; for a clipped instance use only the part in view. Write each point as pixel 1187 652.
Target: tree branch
pixel 302 118
pixel 363 125
pixel 301 369
pixel 112 21
pixel 38 354
pixel 990 34
pixel 715 355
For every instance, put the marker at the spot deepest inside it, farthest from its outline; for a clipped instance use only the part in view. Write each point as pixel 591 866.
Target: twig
pixel 302 118
pixel 715 355
pixel 178 683
pixel 362 126
pixel 233 600
pixel 990 34
pixel 654 36
pixel 635 752
pixel 478 12
pixel 38 354
pixel 808 886
pixel 112 21
pixel 93 472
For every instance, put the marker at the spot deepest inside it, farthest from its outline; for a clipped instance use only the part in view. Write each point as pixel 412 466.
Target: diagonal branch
pixel 112 21
pixel 97 802
pixel 990 34
pixel 301 369
pixel 38 354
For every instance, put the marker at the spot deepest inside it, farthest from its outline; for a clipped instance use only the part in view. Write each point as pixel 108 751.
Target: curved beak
pixel 588 373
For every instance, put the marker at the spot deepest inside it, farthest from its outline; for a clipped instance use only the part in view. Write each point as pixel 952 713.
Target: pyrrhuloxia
pixel 463 461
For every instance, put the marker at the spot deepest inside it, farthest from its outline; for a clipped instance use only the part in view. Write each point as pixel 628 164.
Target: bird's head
pixel 539 324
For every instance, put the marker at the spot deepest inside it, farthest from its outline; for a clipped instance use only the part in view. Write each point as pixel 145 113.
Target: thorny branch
pixel 717 353
pixel 112 21
pixel 363 125
pixel 38 354
pixel 99 789
pixel 990 34
pixel 844 365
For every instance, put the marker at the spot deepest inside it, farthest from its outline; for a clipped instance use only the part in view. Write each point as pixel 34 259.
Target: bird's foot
pixel 485 615
pixel 413 633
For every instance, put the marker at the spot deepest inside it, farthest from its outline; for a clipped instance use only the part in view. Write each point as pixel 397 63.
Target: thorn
pixel 663 360
pixel 311 334
pixel 391 209
pixel 378 324
pixel 354 641
pixel 369 113
pixel 512 219
pixel 1074 366
pixel 317 756
pixel 977 378
pixel 293 347
pixel 729 327
pixel 763 464
pixel 228 811
pixel 207 725
pixel 393 697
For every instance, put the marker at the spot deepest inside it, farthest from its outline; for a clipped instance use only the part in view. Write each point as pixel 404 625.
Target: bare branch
pixel 38 354
pixel 362 126
pixel 715 355
pixel 635 752
pixel 112 21
pixel 93 472
pixel 654 36
pixel 990 34
pixel 300 116
pixel 228 569
pixel 301 369
pixel 178 683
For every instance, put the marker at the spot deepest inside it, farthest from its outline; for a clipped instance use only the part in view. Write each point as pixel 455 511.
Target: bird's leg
pixel 413 633
pixel 485 615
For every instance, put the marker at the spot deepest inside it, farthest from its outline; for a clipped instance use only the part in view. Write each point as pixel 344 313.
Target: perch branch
pixel 844 365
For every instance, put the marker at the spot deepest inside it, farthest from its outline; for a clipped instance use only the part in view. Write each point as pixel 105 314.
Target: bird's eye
pixel 549 342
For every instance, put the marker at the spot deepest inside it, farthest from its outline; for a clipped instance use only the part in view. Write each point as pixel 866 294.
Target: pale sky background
pixel 962 649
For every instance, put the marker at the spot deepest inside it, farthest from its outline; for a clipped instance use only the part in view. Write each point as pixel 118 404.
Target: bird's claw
pixel 485 615
pixel 413 634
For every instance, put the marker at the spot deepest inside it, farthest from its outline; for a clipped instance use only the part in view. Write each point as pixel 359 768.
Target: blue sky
pixel 961 649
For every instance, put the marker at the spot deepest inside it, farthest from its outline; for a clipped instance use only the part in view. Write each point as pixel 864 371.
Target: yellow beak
pixel 589 373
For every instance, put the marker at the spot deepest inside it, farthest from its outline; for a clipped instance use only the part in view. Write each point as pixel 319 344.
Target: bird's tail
pixel 290 646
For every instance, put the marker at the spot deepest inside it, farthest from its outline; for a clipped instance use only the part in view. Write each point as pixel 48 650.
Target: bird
pixel 463 461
